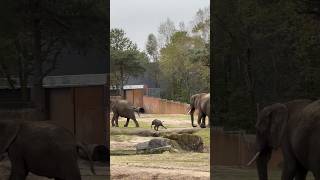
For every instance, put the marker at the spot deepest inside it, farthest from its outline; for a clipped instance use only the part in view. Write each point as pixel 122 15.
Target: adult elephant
pixel 42 148
pixel 295 127
pixel 123 108
pixel 201 102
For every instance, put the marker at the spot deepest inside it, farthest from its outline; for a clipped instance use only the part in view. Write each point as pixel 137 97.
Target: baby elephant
pixel 157 123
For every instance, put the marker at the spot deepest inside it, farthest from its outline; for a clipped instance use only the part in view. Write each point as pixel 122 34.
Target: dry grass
pixel 157 166
pixel 162 166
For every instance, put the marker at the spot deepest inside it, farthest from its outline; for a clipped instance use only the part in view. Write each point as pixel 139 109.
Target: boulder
pixel 154 146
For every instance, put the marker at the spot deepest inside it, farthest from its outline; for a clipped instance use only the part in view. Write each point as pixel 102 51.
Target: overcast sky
pixel 139 18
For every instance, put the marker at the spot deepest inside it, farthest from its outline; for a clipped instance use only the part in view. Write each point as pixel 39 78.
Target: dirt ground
pixel 182 165
pixel 100 169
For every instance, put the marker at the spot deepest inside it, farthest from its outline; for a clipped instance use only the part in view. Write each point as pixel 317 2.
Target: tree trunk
pixel 122 82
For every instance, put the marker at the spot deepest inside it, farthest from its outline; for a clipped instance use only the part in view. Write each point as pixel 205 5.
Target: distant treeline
pixel 177 60
pixel 264 52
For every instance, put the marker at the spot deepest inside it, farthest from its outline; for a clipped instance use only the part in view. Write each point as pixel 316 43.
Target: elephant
pixel 124 109
pixel 295 127
pixel 42 148
pixel 201 102
pixel 157 123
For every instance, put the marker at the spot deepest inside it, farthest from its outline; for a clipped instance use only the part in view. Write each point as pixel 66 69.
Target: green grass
pixel 143 125
pixel 205 135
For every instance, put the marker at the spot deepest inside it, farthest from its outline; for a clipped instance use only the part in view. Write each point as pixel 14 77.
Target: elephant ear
pixel 278 123
pixel 9 130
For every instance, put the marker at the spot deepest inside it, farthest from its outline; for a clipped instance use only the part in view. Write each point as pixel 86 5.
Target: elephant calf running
pixel 157 123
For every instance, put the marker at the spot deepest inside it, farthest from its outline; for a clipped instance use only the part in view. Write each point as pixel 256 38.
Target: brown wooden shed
pixel 77 102
pixel 134 94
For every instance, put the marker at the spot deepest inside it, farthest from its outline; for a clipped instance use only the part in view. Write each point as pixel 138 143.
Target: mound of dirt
pixel 188 142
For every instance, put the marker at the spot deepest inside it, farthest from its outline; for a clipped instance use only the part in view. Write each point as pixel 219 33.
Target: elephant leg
pixel 127 123
pixel 301 174
pixel 136 122
pixel 289 170
pixel 18 165
pixel 113 120
pixel 18 171
pixel 202 119
pixel 192 118
pixel 155 128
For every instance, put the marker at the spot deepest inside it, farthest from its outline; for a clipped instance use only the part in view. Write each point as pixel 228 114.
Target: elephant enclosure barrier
pixel 153 105
pixel 236 148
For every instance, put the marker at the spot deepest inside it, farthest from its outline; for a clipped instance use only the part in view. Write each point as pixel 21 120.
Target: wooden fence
pixel 153 105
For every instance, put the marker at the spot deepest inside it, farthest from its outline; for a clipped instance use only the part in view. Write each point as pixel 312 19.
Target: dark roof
pixel 142 79
pixel 74 63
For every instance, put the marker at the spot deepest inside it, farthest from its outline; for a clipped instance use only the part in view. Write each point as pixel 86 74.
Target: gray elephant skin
pixel 157 123
pixel 42 148
pixel 295 127
pixel 124 109
pixel 201 102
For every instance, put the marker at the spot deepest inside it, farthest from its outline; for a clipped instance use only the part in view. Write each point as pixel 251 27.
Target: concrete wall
pixel 237 149
pixel 154 105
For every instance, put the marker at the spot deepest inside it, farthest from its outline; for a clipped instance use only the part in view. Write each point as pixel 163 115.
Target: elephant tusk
pixel 254 158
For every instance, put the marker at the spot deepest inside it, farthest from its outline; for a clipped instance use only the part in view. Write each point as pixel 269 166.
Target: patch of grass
pixel 122 152
pixel 120 138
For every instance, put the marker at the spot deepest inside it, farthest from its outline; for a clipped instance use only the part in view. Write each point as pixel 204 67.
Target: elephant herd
pixel 200 102
pixel 293 126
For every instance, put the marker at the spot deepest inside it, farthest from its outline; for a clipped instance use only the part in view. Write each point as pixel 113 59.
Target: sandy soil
pixel 177 166
pixel 161 166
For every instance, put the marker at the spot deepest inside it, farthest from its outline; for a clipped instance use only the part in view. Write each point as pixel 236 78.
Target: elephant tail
pixel 137 111
pixel 87 154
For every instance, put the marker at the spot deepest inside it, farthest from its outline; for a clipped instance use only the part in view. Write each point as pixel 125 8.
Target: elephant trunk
pixel 262 163
pixel 191 112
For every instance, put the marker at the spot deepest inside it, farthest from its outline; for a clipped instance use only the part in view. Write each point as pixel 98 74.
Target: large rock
pixel 154 146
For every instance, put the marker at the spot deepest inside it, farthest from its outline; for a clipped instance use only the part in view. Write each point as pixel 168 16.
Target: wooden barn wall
pixel 81 110
pixel 90 120
pixel 61 107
